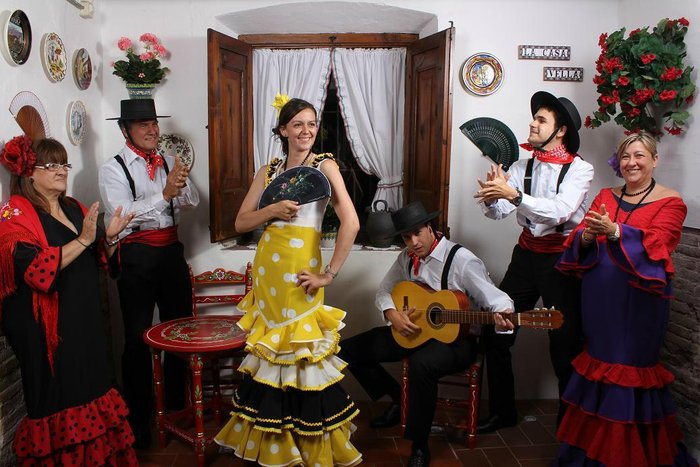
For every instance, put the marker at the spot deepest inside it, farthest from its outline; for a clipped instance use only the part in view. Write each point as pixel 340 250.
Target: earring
pixel 31 180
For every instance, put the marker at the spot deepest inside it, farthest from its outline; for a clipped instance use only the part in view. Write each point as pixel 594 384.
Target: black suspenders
pixel 132 185
pixel 527 183
pixel 445 268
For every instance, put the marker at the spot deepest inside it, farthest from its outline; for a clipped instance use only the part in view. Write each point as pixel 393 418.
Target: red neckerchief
pixel 19 222
pixel 558 155
pixel 415 259
pixel 152 159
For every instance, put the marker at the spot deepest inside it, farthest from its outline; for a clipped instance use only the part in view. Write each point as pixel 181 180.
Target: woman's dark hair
pixel 289 110
pixel 47 150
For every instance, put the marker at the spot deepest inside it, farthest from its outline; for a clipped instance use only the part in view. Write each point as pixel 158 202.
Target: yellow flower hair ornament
pixel 280 101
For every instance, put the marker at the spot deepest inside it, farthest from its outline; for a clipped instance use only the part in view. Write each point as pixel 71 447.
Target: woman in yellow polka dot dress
pixel 290 409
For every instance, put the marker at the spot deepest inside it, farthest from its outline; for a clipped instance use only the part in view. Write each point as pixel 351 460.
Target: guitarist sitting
pixel 440 264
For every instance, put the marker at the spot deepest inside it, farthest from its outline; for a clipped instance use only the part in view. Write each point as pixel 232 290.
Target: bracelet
pixel 112 243
pixel 328 271
pixel 78 240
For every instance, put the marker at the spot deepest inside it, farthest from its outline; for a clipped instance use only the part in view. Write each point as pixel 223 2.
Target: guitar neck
pixel 468 317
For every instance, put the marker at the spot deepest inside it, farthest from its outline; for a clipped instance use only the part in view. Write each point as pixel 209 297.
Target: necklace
pixel 648 188
pixel 646 192
pixel 302 162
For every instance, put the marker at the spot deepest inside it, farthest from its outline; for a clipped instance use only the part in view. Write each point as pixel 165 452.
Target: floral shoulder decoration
pixel 646 67
pixel 7 212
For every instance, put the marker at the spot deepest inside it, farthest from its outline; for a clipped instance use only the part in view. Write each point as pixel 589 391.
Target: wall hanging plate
pixel 482 74
pixel 77 122
pixel 302 184
pixel 30 115
pixel 17 37
pixel 53 55
pixel 82 68
pixel 176 146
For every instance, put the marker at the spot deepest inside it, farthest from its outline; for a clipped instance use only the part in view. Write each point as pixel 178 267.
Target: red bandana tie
pixel 415 259
pixel 152 159
pixel 558 155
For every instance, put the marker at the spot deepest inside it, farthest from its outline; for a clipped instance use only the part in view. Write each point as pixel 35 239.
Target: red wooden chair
pixel 466 410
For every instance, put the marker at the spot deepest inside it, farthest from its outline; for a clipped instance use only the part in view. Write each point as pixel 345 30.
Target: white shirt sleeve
pixel 394 275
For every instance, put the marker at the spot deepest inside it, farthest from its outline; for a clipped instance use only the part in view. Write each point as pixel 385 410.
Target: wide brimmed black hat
pixel 567 112
pixel 411 217
pixel 138 109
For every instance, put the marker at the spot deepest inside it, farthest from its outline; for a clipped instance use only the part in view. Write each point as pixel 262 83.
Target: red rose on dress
pixel 18 156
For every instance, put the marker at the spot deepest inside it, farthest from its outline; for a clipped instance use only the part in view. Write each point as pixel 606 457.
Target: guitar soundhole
pixel 435 316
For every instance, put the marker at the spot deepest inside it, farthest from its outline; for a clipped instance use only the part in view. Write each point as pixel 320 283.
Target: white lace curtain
pixel 370 86
pixel 371 92
pixel 302 73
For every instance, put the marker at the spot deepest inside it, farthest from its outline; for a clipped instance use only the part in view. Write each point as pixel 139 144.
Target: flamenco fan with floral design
pixel 301 184
pixel 30 115
pixel 493 138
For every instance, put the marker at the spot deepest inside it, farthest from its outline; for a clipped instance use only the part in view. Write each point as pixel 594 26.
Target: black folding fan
pixel 493 138
pixel 301 184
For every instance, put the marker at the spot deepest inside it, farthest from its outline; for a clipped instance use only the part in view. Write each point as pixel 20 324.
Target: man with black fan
pixel 548 194
pixel 153 270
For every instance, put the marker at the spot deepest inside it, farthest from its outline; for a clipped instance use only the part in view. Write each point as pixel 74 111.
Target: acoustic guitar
pixel 440 313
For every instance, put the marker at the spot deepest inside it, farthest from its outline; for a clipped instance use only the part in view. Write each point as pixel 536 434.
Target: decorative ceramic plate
pixel 176 146
pixel 302 184
pixel 482 74
pixel 82 68
pixel 54 57
pixel 77 122
pixel 17 35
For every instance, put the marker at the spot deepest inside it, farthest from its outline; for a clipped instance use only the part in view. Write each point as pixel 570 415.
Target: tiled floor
pixel 530 444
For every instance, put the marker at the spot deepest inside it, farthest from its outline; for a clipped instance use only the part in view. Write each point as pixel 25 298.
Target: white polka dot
pixel 348 445
pixel 274 448
pixel 272 322
pixel 250 444
pixel 288 276
pixel 326 436
pixel 313 262
pixel 261 304
pixel 244 303
pixel 295 451
pixel 267 237
pixel 261 270
pixel 275 257
pixel 257 281
pixel 237 427
pixel 284 312
pixel 305 455
pixel 252 331
pixel 256 313
pixel 273 291
pixel 291 313
pixel 275 338
pixel 309 298
pixel 307 328
pixel 317 464
pixel 327 308
pixel 296 243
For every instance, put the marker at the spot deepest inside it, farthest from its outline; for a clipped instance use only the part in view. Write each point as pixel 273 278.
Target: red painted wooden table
pixel 195 340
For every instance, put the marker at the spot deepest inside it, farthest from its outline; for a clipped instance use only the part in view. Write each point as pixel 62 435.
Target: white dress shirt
pixel 544 207
pixel 467 274
pixel 151 209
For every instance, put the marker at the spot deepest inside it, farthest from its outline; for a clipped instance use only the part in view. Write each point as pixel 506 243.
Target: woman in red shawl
pixel 50 250
pixel 620 412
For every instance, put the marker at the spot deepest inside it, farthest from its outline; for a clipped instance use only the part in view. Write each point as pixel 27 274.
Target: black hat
pixel 411 217
pixel 138 109
pixel 566 110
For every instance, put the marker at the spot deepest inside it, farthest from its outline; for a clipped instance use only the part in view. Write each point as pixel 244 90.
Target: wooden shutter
pixel 428 125
pixel 230 68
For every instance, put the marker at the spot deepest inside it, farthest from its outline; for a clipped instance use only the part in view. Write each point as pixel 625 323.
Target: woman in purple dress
pixel 620 411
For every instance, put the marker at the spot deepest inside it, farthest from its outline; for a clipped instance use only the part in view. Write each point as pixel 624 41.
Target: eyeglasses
pixel 53 167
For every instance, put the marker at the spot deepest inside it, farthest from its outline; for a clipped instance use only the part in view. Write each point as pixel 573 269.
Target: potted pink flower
pixel 142 69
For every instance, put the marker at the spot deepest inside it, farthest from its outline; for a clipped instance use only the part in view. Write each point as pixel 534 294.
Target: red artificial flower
pixel 642 96
pixel 683 21
pixel 689 99
pixel 671 74
pixel 597 79
pixel 634 112
pixel 613 64
pixel 609 100
pixel 601 41
pixel 587 122
pixel 18 156
pixel 634 31
pixel 647 58
pixel 674 130
pixel 667 95
pixel 622 81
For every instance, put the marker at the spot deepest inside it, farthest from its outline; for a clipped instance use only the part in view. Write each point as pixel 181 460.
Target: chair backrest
pixel 219 277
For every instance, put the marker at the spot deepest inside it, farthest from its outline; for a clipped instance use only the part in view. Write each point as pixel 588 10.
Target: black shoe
pixel 419 458
pixel 495 422
pixel 390 417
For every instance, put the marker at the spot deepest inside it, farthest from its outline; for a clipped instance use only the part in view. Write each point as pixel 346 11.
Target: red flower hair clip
pixel 18 156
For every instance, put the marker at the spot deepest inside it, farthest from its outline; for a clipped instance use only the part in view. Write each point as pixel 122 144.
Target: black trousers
pixel 151 276
pixel 531 276
pixel 365 352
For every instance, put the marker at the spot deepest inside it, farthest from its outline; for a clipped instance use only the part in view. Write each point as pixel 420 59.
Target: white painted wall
pixel 494 26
